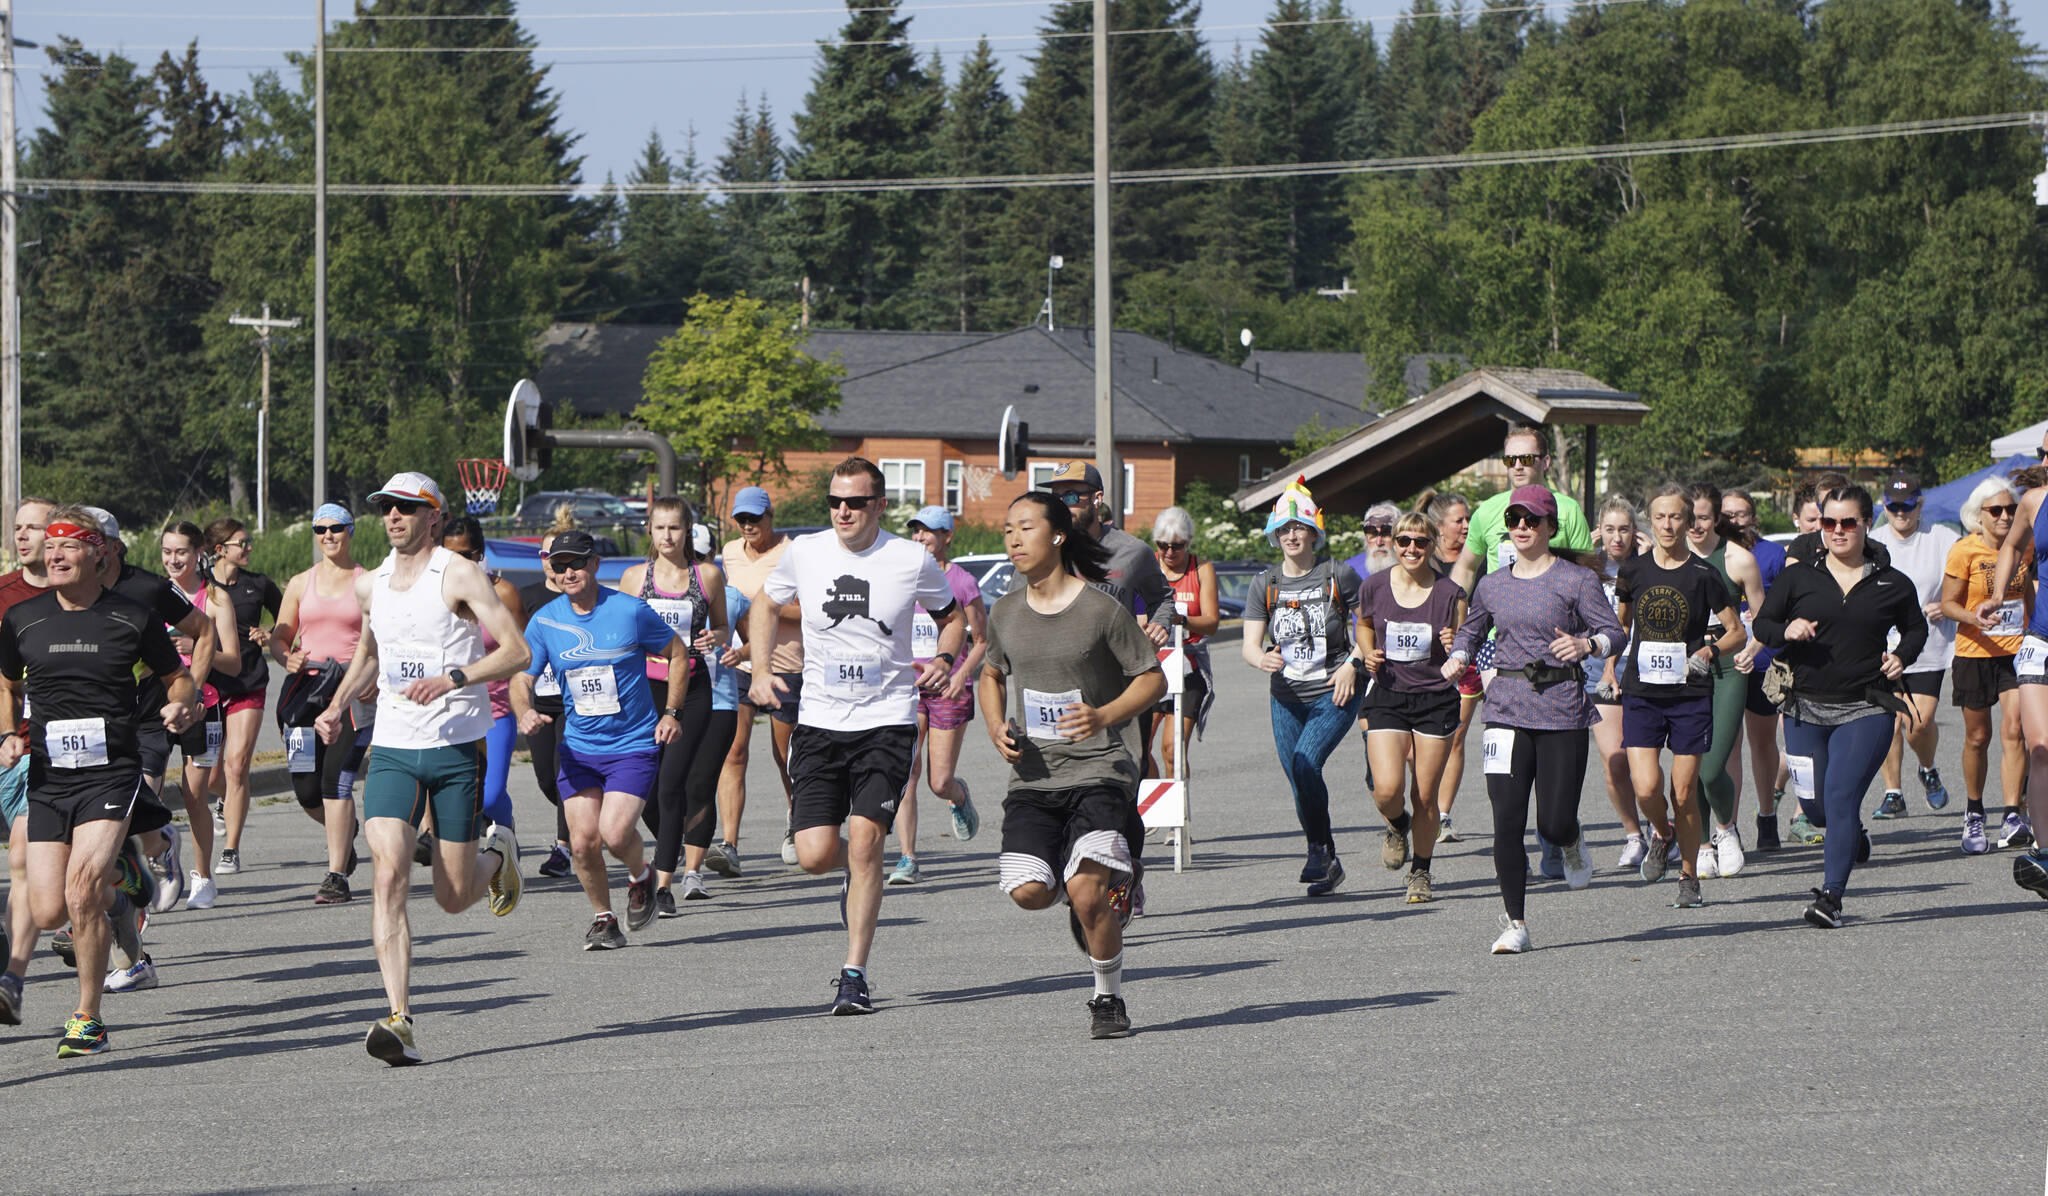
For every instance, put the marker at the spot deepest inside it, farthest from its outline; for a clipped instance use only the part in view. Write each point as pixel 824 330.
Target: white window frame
pixel 896 474
pixel 954 494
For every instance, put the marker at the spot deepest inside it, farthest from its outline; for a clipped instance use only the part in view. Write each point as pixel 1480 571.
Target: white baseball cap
pixel 411 487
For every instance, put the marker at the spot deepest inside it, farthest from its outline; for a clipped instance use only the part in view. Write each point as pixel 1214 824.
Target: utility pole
pixel 804 287
pixel 10 300
pixel 319 260
pixel 263 325
pixel 1105 417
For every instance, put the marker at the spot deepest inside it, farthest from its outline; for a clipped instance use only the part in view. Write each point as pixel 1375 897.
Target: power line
pixel 908 10
pixel 1525 157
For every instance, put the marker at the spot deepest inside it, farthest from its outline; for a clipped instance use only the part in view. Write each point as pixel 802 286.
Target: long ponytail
pixel 1080 553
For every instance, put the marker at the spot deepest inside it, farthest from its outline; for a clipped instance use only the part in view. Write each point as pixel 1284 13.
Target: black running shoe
pixel 1767 834
pixel 1107 1017
pixel 61 943
pixel 1826 910
pixel 604 934
pixel 853 994
pixel 423 850
pixel 557 864
pixel 664 903
pixel 333 891
pixel 640 901
pixel 352 861
pixel 2030 872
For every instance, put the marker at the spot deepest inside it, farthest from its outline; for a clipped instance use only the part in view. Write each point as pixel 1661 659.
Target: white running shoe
pixel 789 846
pixel 1729 857
pixel 132 979
pixel 1514 937
pixel 1578 864
pixel 200 891
pixel 170 873
pixel 1707 865
pixel 1632 853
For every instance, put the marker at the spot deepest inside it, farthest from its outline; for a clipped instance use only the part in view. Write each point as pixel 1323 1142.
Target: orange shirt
pixel 1974 560
pixel 747 575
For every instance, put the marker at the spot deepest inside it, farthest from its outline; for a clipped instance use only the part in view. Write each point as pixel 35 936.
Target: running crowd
pixel 1674 633
pixel 1671 632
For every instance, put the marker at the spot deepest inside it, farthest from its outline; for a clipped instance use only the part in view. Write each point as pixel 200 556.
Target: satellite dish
pixel 1244 337
pixel 522 421
pixel 1013 443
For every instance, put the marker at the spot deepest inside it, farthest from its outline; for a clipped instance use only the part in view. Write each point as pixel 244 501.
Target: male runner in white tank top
pixel 422 650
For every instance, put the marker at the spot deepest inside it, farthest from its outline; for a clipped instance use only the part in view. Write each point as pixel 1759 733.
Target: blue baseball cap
pixel 333 512
pixel 752 501
pixel 938 519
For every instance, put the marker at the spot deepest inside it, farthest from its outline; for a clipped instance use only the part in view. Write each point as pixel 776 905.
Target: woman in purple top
pixel 1406 616
pixel 941 717
pixel 1550 615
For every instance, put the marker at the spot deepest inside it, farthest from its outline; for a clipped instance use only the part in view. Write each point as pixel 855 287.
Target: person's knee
pixel 1977 736
pixel 1032 895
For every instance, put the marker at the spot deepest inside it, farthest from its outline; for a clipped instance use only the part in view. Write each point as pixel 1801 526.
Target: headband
pixel 72 531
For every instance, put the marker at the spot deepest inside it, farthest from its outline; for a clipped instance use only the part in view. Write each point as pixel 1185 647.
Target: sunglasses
pixel 565 564
pixel 1379 529
pixel 472 554
pixel 1073 498
pixel 2000 511
pixel 1901 508
pixel 400 505
pixel 1847 523
pixel 1173 546
pixel 1413 541
pixel 1521 518
pixel 852 502
pixel 1521 460
pixel 746 520
pixel 244 545
pixel 2041 454
pixel 331 529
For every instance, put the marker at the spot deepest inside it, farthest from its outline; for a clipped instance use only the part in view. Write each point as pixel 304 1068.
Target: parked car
pixel 593 508
pixel 1234 584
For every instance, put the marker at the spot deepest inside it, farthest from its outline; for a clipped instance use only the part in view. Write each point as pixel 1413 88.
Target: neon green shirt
pixel 1488 533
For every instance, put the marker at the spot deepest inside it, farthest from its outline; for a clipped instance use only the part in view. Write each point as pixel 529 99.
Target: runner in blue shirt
pixel 597 641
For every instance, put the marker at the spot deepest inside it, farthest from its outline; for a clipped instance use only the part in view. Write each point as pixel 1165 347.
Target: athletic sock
pixel 1421 864
pixel 2013 812
pixel 1109 975
pixel 857 972
pixel 1399 822
pixel 1973 805
pixel 639 876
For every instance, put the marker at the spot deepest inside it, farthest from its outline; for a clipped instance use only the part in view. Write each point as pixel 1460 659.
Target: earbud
pixel 1059 539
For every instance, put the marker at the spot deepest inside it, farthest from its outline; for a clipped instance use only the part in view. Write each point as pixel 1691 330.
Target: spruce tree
pixel 871 113
pixel 957 280
pixel 753 154
pixel 665 240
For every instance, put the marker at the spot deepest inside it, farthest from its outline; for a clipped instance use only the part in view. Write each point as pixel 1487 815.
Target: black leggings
pixel 1554 762
pixel 705 767
pixel 670 813
pixel 545 748
pixel 330 761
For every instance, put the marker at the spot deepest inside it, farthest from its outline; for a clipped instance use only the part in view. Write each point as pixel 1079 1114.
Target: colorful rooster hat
pixel 1296 505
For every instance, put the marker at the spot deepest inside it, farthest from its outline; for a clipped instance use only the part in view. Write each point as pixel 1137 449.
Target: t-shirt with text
pixel 1308 618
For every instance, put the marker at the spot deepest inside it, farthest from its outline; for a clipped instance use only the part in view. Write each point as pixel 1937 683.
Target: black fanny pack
pixel 1542 676
pixel 306 693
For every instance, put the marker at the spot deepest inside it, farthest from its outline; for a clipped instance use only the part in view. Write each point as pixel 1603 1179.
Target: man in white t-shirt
pixel 859 589
pixel 1920 551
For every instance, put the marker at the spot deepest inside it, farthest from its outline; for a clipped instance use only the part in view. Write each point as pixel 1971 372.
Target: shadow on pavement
pixel 1280 1011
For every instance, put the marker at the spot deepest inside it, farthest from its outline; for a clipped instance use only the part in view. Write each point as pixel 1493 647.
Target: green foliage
pixel 753 154
pixel 732 391
pixel 956 279
pixel 665 245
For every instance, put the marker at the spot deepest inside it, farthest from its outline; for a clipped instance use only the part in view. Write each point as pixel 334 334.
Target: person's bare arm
pixel 766 687
pixel 1466 571
pixel 1211 618
pixel 466 585
pixel 362 670
pixel 285 631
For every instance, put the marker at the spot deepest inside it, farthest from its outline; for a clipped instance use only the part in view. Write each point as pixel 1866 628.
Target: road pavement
pixel 1351 1043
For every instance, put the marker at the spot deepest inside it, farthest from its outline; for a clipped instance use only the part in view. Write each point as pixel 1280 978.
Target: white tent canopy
pixel 2024 441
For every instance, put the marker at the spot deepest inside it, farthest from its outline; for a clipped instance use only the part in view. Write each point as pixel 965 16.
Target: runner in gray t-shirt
pixel 1066 676
pixel 1130 572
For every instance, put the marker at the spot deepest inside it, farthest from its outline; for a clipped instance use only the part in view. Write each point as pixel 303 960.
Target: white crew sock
pixel 1109 975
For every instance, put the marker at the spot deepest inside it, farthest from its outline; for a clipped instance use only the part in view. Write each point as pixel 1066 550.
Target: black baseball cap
pixel 1902 488
pixel 573 543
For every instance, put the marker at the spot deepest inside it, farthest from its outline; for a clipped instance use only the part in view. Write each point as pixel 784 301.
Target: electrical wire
pixel 1522 157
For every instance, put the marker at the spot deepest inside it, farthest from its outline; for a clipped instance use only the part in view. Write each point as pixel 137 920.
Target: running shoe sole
pixel 388 1045
pixel 2029 874
pixel 506 884
pixel 717 860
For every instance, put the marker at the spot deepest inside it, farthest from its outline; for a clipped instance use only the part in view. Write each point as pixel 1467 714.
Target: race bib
pixel 594 689
pixel 678 613
pixel 1305 659
pixel 2032 660
pixel 924 636
pixel 853 671
pixel 1660 663
pixel 1801 768
pixel 1408 642
pixel 402 670
pixel 1504 555
pixel 2012 618
pixel 298 749
pixel 547 685
pixel 1043 711
pixel 215 731
pixel 1497 751
pixel 76 742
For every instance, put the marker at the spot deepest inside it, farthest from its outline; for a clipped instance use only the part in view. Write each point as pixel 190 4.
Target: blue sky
pixel 667 73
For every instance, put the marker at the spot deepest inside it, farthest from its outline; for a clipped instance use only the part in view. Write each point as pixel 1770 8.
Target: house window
pixel 1041 474
pixel 1130 488
pixel 956 481
pixel 1244 469
pixel 903 481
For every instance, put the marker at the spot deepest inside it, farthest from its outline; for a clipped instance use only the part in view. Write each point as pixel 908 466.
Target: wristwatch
pixel 459 677
pixel 947 657
pixel 674 712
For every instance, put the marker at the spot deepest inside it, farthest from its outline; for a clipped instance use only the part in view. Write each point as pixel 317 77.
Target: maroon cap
pixel 1537 500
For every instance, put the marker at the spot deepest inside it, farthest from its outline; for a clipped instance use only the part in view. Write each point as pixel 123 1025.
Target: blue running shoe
pixel 1318 866
pixel 1974 840
pixel 852 996
pixel 1937 793
pixel 2030 872
pixel 1331 879
pixel 1893 805
pixel 1553 859
pixel 966 820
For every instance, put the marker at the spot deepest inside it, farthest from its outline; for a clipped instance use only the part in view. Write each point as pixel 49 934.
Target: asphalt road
pixel 1352 1043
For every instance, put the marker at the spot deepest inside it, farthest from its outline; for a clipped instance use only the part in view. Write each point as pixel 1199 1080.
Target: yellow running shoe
pixel 506 883
pixel 83 1036
pixel 391 1041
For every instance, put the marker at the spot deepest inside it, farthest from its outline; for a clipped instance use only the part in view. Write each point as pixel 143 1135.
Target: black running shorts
pixel 59 800
pixel 834 774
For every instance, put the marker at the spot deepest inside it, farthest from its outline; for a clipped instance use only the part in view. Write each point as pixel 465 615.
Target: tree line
pixel 1880 294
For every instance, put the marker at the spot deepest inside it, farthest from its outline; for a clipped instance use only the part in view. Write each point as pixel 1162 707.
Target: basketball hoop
pixel 483 480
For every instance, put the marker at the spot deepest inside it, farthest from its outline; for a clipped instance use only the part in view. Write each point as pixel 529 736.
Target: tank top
pixel 419 637
pixel 1187 594
pixel 329 627
pixel 1719 560
pixel 680 611
pixel 2037 623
